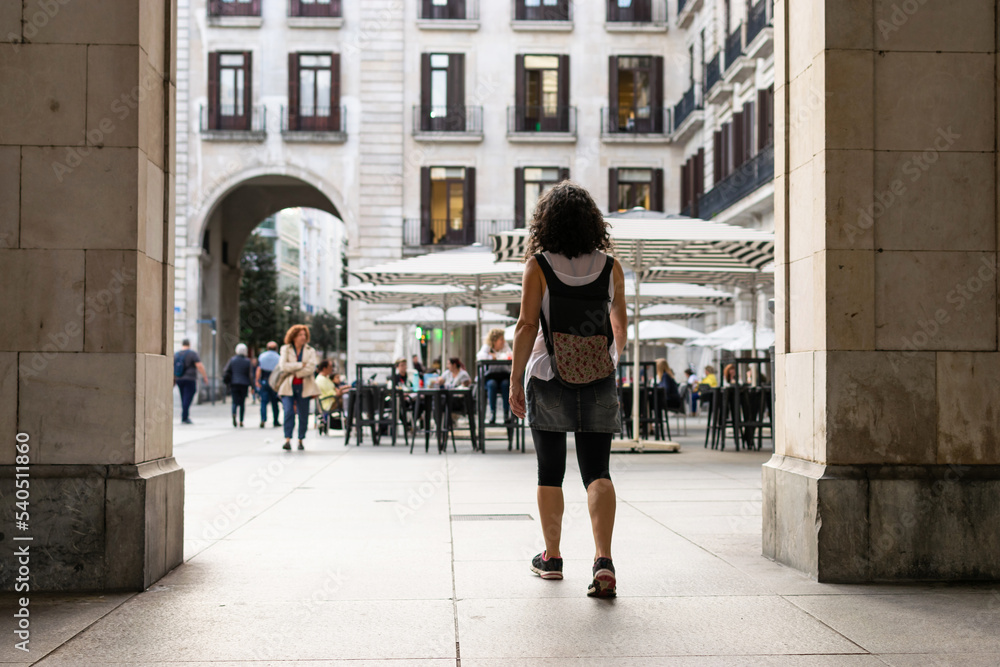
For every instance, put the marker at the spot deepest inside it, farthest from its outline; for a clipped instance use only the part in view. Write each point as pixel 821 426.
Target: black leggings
pixel 593 453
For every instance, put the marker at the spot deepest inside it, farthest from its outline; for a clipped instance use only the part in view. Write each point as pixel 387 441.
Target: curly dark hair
pixel 567 222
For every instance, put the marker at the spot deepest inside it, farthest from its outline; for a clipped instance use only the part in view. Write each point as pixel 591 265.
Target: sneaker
pixel 277 424
pixel 604 579
pixel 234 420
pixel 187 421
pixel 287 446
pixel 547 568
pixel 301 446
pixel 493 419
pixel 262 424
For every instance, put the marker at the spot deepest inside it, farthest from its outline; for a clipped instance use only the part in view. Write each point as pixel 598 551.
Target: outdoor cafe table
pixel 435 403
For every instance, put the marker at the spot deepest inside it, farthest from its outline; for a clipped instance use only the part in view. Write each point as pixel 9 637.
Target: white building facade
pixel 429 124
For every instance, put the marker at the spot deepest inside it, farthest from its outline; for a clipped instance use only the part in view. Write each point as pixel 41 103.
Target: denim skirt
pixel 552 406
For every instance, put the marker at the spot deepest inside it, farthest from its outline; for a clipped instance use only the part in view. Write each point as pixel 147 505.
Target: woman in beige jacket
pixel 299 360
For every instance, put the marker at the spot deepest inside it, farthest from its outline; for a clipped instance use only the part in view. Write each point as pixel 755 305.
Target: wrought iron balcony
pixel 234 8
pixel 414 233
pixel 734 46
pixel 560 11
pixel 634 120
pixel 541 119
pixel 750 176
pixel 639 11
pixel 448 119
pixel 759 19
pixel 329 9
pixel 713 72
pixel 321 121
pixel 689 102
pixel 229 119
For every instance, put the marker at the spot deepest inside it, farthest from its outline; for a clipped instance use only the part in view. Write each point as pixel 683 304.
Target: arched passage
pixel 224 223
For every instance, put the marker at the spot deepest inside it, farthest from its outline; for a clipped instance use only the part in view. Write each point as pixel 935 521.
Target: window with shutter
pixel 542 95
pixel 737 145
pixel 232 93
pixel 717 174
pixel 442 9
pixel 636 94
pixel 630 11
pixel 442 93
pixel 447 205
pixel 234 7
pixel 639 187
pixel 316 92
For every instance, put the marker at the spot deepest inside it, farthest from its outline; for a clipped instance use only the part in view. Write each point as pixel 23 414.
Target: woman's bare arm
pixel 619 316
pixel 532 285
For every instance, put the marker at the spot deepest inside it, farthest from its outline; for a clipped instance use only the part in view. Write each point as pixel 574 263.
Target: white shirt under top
pixel 580 270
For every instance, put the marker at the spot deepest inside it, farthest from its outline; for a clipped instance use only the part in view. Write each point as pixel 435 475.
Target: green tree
pixel 258 293
pixel 289 311
pixel 324 331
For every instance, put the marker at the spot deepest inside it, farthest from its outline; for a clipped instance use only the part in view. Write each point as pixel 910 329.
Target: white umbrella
pixel 432 315
pixel 471 267
pixel 723 335
pixel 662 330
pixel 764 338
pixel 446 295
pixel 646 239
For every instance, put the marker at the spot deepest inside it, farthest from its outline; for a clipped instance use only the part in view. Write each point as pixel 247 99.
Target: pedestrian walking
pixel 236 375
pixel 187 366
pixel 563 375
pixel 268 395
pixel 299 361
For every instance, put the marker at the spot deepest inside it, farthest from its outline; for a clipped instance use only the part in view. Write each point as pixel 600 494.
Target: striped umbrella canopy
pixel 464 267
pixel 703 275
pixel 645 239
pixel 432 315
pixel 678 294
pixel 668 311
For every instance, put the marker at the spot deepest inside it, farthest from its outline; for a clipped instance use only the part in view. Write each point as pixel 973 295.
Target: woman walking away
pixel 237 375
pixel 298 360
pixel 498 375
pixel 577 292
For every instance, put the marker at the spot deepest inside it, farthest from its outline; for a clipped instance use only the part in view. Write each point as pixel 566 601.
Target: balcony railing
pixel 640 11
pixel 713 72
pixel 752 174
pixel 560 11
pixel 228 120
pixel 535 119
pixel 234 8
pixel 734 46
pixel 454 10
pixel 321 119
pixel 637 120
pixel 413 231
pixel 448 119
pixel 689 102
pixel 759 19
pixel 321 8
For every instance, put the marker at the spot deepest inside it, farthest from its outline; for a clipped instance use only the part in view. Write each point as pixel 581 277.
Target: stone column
pixel 887 463
pixel 86 283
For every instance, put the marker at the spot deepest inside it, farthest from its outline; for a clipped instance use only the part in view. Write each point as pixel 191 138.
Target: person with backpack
pixel 569 336
pixel 187 365
pixel 268 395
pixel 236 375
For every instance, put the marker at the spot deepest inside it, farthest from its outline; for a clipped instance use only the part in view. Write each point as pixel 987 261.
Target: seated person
pixel 456 376
pixel 330 394
pixel 498 376
pixel 667 383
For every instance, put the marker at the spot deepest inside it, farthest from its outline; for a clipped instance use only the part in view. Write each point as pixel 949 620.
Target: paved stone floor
pixel 353 556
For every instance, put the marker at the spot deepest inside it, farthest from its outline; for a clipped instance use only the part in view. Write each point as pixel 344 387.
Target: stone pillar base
pixel 96 527
pixel 869 523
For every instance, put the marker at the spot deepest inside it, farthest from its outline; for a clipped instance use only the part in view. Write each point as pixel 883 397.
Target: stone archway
pixel 220 228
